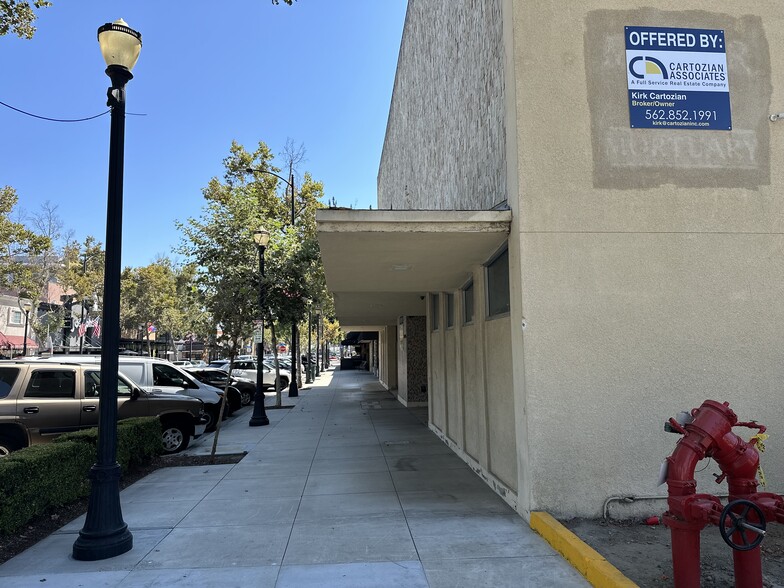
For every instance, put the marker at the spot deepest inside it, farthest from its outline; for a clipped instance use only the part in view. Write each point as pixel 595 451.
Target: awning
pixel 379 264
pixel 13 341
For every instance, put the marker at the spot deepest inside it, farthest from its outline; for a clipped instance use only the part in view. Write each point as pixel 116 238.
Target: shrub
pixel 36 478
pixel 138 440
pixel 39 477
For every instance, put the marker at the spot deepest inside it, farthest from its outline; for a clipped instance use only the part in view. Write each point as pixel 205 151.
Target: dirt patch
pixel 44 525
pixel 642 552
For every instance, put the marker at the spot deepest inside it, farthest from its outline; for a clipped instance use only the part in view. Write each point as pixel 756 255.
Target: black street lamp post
pixel 26 306
pixel 293 385
pixel 309 356
pixel 318 339
pixel 105 534
pixel 259 418
pixel 83 304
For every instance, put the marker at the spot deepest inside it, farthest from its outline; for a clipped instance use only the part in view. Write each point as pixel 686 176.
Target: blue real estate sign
pixel 677 79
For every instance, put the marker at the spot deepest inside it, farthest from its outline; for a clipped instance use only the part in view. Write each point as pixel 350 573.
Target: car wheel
pixel 284 382
pixel 7 446
pixel 212 417
pixel 174 438
pixel 246 397
pixel 235 399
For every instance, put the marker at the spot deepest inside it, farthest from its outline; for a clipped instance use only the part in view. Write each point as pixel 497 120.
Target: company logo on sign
pixel 646 67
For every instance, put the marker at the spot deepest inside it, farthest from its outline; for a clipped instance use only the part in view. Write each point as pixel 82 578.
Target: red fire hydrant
pixel 707 432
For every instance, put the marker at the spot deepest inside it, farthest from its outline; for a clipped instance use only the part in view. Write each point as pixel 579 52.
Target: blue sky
pixel 319 72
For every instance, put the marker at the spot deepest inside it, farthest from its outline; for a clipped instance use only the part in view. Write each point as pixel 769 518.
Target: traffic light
pixel 68 323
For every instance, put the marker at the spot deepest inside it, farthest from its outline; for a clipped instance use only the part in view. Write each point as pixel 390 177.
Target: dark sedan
pixel 217 377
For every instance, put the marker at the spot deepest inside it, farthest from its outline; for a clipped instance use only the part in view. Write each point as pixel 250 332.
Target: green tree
pixel 83 269
pixel 46 269
pixel 196 321
pixel 18 247
pixel 221 243
pixel 18 16
pixel 149 297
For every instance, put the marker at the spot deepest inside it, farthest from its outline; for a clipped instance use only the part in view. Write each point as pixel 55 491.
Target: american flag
pixel 82 329
pixel 96 329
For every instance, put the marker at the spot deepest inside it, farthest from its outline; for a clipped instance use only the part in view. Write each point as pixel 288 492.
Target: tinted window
pixel 7 379
pixel 468 303
pixel 92 385
pixel 164 375
pixel 134 371
pixel 450 310
pixel 498 285
pixel 51 384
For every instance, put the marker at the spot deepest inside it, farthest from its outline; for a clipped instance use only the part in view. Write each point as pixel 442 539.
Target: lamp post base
pixel 104 534
pixel 293 389
pixel 259 418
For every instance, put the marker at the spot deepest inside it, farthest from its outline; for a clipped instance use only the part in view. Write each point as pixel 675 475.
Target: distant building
pixel 12 328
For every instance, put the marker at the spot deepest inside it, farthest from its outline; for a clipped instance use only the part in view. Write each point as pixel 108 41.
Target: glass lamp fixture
pixel 261 237
pixel 120 44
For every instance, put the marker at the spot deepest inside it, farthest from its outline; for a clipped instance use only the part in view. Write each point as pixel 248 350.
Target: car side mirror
pixel 135 393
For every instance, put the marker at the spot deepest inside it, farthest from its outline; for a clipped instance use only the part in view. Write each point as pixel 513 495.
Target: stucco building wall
pixel 444 147
pixel 651 259
pixel 646 265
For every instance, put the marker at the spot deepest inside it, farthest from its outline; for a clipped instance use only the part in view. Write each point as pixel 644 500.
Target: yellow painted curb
pixel 597 570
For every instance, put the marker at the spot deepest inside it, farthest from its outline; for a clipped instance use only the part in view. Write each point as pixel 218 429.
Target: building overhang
pixel 379 264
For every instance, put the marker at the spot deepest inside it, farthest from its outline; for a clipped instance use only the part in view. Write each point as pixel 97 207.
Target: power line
pixel 63 120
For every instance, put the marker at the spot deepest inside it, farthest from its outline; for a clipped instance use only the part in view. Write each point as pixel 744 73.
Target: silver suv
pixel 41 400
pixel 157 376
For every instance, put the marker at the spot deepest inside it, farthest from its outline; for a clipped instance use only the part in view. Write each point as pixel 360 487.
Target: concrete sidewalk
pixel 348 488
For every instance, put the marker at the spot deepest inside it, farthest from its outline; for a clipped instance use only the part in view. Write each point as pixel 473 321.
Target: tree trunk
pixel 277 368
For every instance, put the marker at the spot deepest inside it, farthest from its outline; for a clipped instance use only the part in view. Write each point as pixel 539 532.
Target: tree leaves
pixel 18 245
pixel 18 16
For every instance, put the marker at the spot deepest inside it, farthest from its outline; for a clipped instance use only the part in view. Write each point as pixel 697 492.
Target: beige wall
pixel 651 260
pixel 646 265
pixel 471 392
pixel 387 357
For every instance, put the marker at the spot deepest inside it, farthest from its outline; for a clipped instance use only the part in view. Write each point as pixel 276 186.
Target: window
pixel 164 375
pixel 51 384
pixel 7 379
pixel 450 310
pixel 15 317
pixel 92 385
pixel 434 312
pixel 468 303
pixel 134 371
pixel 498 285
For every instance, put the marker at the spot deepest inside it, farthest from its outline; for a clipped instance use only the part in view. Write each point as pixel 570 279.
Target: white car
pixel 246 368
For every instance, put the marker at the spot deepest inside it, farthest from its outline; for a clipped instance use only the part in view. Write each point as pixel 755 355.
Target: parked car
pixel 245 389
pixel 41 400
pixel 246 369
pixel 158 376
pixel 182 363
